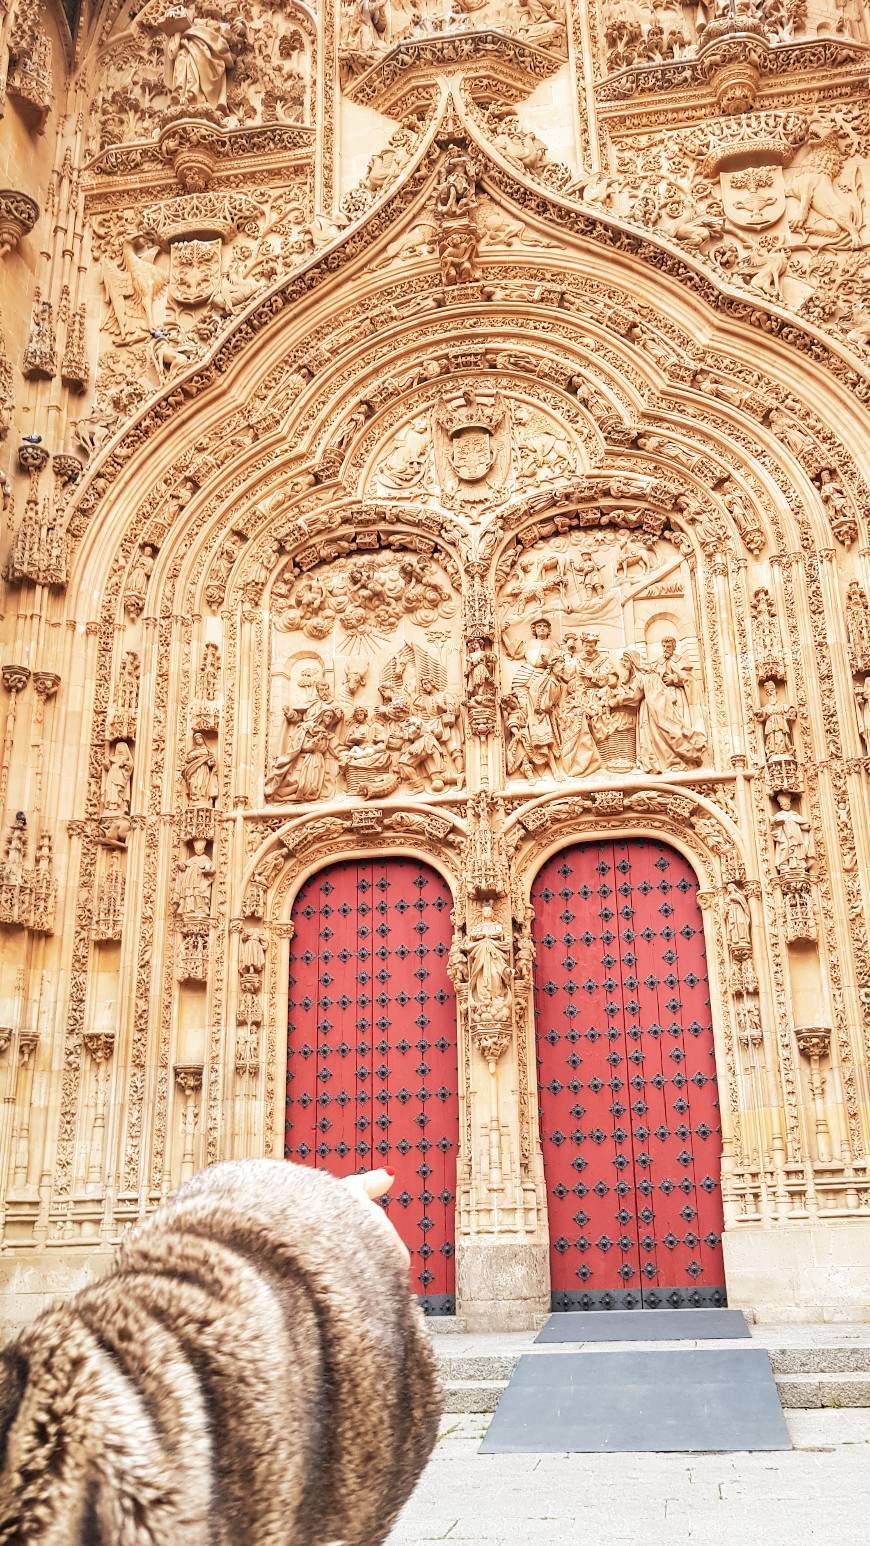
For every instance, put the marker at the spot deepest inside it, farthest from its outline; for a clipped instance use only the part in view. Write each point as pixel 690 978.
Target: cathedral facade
pixel 435 634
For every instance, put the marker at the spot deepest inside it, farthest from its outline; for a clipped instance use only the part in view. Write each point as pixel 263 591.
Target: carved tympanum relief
pixel 229 64
pixel 366 685
pixel 600 650
pixel 656 31
pixel 474 448
pixel 370 29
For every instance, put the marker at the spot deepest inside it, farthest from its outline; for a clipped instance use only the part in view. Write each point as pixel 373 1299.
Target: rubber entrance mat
pixel 644 1326
pixel 693 1401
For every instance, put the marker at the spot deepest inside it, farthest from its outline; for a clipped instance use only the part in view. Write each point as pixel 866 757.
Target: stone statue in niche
pixel 489 972
pixel 738 923
pixel 197 58
pixel 136 592
pixel 776 720
pixel 199 773
pixel 194 883
pixel 118 781
pixel 581 697
pixel 793 844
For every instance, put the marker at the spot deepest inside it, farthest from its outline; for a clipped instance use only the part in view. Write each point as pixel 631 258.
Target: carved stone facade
pixel 412 446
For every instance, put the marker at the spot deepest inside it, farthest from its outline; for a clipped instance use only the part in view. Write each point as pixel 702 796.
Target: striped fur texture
pixel 251 1372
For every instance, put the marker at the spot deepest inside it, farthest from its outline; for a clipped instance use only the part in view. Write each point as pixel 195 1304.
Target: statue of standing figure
pixel 489 964
pixel 667 736
pixel 200 773
pixel 198 58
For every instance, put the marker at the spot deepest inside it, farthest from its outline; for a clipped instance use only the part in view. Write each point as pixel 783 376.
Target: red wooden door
pixel 627 1080
pixel 372 1059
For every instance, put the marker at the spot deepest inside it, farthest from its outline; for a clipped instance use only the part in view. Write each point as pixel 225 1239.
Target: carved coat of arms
pixel 754 197
pixel 473 447
pixel 194 271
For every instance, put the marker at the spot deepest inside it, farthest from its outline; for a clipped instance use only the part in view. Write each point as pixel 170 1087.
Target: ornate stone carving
pixel 189 1079
pixel 121 725
pixel 18 215
pixel 29 71
pixel 328 740
pixel 109 902
pixel 814 1043
pixel 40 353
pixel 574 707
pixel 28 895
pixel 769 657
pixel 205 713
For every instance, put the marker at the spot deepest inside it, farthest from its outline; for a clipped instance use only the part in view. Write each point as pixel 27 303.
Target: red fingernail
pixel 390 1172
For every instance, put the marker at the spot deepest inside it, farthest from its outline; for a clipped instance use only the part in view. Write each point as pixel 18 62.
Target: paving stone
pixel 815 1495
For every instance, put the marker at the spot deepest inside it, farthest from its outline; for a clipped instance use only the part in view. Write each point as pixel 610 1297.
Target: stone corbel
pixel 188 1077
pixel 18 215
pixel 100 1046
pixel 814 1043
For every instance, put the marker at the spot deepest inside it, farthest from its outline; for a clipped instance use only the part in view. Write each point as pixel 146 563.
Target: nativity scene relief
pixel 365 687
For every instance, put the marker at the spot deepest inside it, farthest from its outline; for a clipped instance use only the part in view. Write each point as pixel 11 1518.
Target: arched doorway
pixel 372 1064
pixel 629 1103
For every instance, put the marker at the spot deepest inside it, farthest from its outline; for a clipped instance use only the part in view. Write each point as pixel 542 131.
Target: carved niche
pixel 366 675
pixel 600 657
pixel 210 61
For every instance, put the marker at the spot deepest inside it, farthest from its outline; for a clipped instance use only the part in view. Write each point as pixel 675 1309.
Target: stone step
pixel 474 1383
pixel 808 1391
pixel 469 1396
pixel 820 1360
